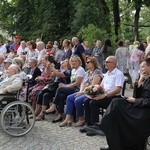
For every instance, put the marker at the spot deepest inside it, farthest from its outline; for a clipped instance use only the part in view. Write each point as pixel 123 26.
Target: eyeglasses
pixel 88 62
pixel 108 62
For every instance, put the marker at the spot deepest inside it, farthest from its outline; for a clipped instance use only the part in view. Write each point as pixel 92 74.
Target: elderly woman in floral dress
pixel 41 82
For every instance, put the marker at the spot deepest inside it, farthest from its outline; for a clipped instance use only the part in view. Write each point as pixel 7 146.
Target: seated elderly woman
pixel 33 70
pixel 19 62
pixel 41 82
pixel 93 76
pixel 12 82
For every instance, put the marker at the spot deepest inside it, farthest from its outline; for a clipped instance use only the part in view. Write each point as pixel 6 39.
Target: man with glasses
pixel 113 83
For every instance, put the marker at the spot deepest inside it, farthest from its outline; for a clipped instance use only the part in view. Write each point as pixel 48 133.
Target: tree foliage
pixel 56 20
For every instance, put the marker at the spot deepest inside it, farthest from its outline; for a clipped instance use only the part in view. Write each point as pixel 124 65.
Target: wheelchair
pixel 14 115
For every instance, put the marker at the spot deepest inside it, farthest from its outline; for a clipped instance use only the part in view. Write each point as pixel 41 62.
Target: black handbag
pixel 53 86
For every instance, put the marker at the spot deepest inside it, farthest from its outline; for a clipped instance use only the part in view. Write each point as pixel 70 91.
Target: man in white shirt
pixel 113 84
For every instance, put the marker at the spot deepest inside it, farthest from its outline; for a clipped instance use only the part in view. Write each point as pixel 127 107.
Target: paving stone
pixel 48 136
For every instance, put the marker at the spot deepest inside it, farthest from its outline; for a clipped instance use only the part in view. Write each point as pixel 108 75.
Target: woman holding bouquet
pixel 93 76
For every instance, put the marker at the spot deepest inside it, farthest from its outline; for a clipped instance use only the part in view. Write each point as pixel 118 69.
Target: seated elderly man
pixel 12 82
pixel 112 83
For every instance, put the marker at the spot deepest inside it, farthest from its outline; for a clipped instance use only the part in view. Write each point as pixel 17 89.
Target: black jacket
pixel 127 125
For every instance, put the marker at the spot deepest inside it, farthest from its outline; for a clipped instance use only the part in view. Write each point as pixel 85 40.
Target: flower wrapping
pixel 93 90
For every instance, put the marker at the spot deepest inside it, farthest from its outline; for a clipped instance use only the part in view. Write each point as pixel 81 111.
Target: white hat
pixel 8 60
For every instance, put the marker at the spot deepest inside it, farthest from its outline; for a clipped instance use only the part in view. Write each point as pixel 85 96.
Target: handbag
pixel 53 86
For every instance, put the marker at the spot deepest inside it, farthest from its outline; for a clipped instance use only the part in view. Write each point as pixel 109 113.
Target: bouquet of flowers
pixel 93 90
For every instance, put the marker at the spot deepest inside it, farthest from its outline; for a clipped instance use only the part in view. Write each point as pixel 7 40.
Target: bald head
pixel 112 59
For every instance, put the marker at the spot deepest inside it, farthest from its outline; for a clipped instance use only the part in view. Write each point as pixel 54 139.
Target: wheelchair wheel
pixel 15 120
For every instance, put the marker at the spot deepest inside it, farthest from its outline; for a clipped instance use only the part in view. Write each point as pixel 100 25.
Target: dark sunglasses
pixel 108 62
pixel 88 62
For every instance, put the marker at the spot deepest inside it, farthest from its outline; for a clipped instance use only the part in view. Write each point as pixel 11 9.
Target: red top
pixel 16 46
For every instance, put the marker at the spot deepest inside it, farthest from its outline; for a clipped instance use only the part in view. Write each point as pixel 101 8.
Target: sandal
pixel 65 123
pixel 40 117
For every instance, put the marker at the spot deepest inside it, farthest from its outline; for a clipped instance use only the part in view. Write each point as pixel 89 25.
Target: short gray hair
pixel 15 68
pixel 34 60
pixel 41 44
pixel 18 61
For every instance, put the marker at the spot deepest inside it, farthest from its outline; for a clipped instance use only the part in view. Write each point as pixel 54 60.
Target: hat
pixel 17 37
pixel 8 60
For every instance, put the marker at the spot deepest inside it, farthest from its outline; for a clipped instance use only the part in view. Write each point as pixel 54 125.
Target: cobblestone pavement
pixel 48 136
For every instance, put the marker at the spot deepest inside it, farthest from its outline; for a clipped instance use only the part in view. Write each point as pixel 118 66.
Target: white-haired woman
pixel 23 49
pixel 42 52
pixel 19 62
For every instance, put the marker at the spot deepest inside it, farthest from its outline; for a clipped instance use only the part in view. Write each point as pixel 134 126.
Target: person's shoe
pixel 39 118
pixel 107 148
pixel 67 123
pixel 90 134
pixel 79 123
pixel 57 120
pixel 95 129
pixel 46 113
pixel 82 130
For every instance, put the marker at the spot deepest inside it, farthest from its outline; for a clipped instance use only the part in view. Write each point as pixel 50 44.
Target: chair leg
pixel 74 114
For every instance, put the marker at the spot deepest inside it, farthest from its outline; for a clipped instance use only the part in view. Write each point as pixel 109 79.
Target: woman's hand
pixel 78 94
pixel 61 85
pixel 131 100
pixel 99 96
pixel 4 90
pixel 143 76
pixel 48 65
pixel 38 79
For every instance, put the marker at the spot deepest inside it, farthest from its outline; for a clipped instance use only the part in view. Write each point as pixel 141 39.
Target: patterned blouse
pixel 90 75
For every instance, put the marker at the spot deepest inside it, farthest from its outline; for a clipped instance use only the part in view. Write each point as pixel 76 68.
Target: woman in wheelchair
pixel 12 82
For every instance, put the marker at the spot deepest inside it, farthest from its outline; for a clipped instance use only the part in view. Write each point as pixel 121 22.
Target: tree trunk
pixel 136 23
pixel 116 17
pixel 106 11
pixel 104 6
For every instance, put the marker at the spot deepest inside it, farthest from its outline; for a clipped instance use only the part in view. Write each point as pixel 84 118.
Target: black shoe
pixel 82 130
pixel 54 121
pixel 90 134
pixel 46 113
pixel 107 148
pixel 95 129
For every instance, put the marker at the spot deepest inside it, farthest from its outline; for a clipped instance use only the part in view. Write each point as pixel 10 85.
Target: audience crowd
pixel 60 73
